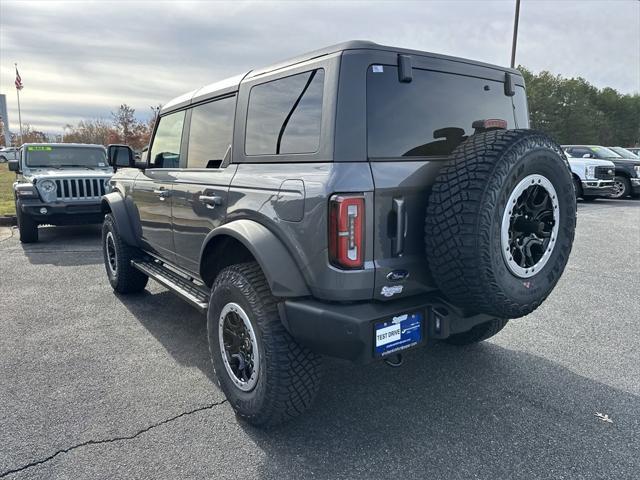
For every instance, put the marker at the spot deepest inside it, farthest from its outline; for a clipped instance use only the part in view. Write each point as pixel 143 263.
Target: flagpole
pixel 19 112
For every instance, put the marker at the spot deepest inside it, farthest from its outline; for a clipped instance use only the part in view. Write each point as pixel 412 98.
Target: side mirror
pixel 120 156
pixel 14 166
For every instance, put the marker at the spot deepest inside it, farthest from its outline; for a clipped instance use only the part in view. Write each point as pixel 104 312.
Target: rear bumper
pixel 597 188
pixel 347 330
pixel 76 213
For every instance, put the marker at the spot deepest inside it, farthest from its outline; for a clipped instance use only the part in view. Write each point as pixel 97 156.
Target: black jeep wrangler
pixel 353 202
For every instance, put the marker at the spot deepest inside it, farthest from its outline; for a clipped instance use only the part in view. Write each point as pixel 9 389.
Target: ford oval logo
pixel 397 275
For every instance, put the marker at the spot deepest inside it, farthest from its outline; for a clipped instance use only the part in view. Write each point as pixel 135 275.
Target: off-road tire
pixel 626 187
pixel 27 227
pixel 478 333
pixel 125 279
pixel 464 218
pixel 289 374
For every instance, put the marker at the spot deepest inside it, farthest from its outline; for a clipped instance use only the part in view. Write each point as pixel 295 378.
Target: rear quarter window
pixel 432 114
pixel 284 115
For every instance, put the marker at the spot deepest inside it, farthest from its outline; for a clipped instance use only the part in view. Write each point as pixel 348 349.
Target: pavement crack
pixel 110 440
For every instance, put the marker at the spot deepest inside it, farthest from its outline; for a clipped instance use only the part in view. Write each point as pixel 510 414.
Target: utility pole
pixel 515 35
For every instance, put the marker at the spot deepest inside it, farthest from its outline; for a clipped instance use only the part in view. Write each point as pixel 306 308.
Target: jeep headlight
pixel 107 186
pixel 590 171
pixel 637 169
pixel 47 190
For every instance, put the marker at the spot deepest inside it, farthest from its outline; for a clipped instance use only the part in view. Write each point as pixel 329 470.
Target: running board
pixel 196 295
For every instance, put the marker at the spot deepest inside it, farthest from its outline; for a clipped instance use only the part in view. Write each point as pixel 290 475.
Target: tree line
pixel 573 111
pixel 123 127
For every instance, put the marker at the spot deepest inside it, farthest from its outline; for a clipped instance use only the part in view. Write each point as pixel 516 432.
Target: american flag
pixel 18 80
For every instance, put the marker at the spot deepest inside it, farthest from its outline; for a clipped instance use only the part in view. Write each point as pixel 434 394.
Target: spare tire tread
pixel 457 222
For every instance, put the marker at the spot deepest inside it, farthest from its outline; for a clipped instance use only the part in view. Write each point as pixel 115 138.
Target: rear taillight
pixel 346 231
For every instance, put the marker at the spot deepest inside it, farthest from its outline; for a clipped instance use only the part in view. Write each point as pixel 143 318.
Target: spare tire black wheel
pixel 500 222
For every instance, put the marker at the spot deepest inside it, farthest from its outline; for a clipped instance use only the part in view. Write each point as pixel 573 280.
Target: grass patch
pixel 7 205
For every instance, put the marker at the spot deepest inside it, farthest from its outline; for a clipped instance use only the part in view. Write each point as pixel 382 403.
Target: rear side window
pixel 210 133
pixel 431 115
pixel 284 115
pixel 165 150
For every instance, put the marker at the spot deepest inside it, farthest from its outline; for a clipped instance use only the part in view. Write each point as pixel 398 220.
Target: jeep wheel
pixel 27 227
pixel 123 277
pixel 267 377
pixel 478 333
pixel 500 222
pixel 621 187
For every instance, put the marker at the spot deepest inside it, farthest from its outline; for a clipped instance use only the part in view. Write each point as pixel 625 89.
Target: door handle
pixel 401 225
pixel 210 201
pixel 162 193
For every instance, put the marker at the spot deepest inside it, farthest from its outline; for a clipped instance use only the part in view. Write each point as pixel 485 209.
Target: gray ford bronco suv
pixel 59 184
pixel 353 202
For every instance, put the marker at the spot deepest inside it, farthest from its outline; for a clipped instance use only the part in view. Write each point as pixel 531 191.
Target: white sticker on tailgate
pixel 388 334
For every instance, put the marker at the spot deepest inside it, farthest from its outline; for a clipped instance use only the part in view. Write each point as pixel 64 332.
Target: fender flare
pixel 115 203
pixel 279 268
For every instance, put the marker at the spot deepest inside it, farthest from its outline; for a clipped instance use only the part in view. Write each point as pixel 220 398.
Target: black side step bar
pixel 196 295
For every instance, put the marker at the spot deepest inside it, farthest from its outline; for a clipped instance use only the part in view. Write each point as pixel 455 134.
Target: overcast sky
pixel 81 60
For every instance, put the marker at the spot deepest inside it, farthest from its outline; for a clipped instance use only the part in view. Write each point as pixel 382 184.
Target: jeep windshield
pixel 53 156
pixel 434 113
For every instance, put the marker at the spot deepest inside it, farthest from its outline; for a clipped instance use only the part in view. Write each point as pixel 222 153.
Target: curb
pixel 8 221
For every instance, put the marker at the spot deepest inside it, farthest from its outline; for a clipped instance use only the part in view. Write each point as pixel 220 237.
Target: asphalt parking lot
pixel 98 386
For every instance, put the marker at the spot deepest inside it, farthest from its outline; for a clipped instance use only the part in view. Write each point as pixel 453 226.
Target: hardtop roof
pixel 230 85
pixel 59 144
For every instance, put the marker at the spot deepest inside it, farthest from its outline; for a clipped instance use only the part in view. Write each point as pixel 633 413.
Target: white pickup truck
pixel 592 178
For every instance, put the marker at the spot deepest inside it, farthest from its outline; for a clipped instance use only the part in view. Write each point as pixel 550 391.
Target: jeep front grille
pixel 602 173
pixel 80 188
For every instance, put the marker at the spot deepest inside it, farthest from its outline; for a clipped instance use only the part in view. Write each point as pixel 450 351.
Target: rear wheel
pixel 478 333
pixel 27 227
pixel 265 374
pixel 500 222
pixel 621 187
pixel 123 277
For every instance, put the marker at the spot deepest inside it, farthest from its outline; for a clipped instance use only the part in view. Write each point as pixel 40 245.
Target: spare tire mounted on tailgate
pixel 500 222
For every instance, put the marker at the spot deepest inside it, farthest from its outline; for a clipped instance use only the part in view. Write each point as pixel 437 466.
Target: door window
pixel 210 133
pixel 284 115
pixel 165 150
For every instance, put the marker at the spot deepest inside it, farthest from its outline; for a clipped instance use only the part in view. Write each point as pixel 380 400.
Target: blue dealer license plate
pixel 400 332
